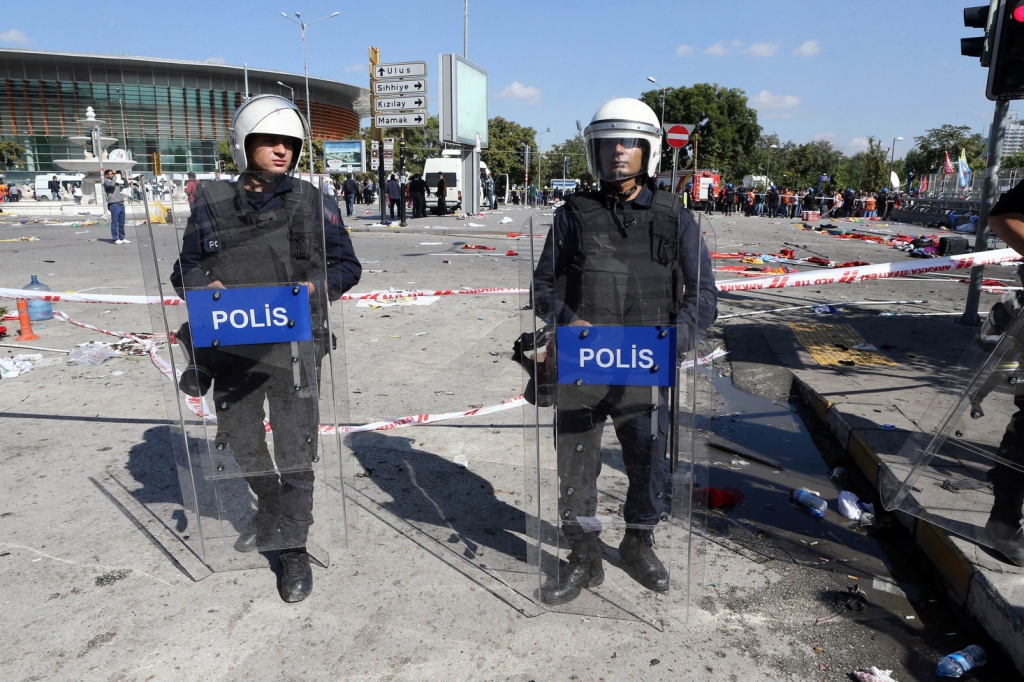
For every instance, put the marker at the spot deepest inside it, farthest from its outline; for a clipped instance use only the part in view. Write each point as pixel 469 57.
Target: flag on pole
pixel 947 169
pixel 924 184
pixel 963 170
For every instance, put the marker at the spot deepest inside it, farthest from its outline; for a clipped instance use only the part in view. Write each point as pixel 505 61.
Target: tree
pixel 224 154
pixel 929 152
pixel 866 171
pixel 11 153
pixel 575 149
pixel 727 128
pixel 798 166
pixel 1015 160
pixel 505 139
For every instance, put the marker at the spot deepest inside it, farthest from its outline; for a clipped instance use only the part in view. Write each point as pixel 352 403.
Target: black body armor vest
pixel 624 267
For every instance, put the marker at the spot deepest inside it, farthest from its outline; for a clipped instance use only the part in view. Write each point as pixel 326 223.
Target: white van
pixel 68 181
pixel 450 165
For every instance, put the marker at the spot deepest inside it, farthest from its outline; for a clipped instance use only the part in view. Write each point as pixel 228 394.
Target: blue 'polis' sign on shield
pixel 617 356
pixel 249 315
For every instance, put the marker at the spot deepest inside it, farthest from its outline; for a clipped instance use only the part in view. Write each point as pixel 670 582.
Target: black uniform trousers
pixel 642 429
pixel 1008 482
pixel 419 205
pixel 283 484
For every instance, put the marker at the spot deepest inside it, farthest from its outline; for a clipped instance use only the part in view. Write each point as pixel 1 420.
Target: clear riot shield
pixel 255 373
pixel 436 416
pixel 962 467
pixel 612 335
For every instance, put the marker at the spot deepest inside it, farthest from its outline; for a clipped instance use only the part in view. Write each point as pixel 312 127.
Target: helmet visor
pixel 618 158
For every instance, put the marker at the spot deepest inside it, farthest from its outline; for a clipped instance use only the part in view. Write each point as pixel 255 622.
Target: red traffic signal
pixel 1006 72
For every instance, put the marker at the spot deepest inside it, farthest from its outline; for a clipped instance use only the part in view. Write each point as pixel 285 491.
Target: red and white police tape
pixel 867 273
pixel 861 273
pixel 199 407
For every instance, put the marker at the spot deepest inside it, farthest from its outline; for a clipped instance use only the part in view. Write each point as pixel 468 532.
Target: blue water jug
pixel 38 310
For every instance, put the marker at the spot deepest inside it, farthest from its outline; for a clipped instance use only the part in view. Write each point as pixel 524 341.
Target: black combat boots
pixel 637 552
pixel 261 533
pixel 584 570
pixel 296 575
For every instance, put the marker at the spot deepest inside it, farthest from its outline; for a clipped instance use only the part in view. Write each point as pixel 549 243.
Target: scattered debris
pixel 873 674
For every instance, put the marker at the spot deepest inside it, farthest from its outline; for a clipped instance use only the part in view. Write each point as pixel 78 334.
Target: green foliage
pixel 867 171
pixel 224 154
pixel 506 138
pixel 11 153
pixel 575 149
pixel 727 128
pixel 929 152
pixel 1015 160
pixel 318 157
pixel 798 166
pixel 420 144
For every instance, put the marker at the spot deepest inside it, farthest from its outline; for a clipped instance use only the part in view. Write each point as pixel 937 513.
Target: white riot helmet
pixel 269 114
pixel 622 122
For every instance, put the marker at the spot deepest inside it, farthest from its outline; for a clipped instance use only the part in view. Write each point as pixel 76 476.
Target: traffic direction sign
pixel 412 120
pixel 400 70
pixel 415 86
pixel 677 134
pixel 405 103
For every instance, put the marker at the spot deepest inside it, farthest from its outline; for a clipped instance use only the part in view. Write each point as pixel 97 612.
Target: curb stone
pixel 983 593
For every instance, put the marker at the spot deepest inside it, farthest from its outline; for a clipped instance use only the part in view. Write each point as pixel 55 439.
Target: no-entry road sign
pixel 677 134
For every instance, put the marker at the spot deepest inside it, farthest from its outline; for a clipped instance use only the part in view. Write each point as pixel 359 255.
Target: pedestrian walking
pixel 192 188
pixel 418 191
pixel 115 204
pixel 394 192
pixel 350 189
pixel 54 187
pixel 442 195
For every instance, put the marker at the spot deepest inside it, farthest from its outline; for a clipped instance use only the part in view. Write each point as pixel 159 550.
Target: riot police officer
pixel 268 228
pixel 626 254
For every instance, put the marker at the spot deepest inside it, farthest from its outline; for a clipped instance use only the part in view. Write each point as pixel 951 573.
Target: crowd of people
pixel 786 203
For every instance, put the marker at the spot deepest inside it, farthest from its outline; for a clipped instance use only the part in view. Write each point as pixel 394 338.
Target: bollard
pixel 26 324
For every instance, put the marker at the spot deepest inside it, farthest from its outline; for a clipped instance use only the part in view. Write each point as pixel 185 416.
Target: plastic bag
pixel 91 354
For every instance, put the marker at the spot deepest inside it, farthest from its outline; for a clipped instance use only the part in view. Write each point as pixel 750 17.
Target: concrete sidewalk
pixel 861 403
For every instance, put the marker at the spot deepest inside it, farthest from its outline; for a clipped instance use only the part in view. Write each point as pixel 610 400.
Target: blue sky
pixel 836 70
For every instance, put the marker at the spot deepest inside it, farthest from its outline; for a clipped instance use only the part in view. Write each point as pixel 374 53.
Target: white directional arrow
pixel 417 86
pixel 400 70
pixel 406 103
pixel 399 120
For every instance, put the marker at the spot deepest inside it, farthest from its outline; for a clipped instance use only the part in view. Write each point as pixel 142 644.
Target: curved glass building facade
pixel 177 108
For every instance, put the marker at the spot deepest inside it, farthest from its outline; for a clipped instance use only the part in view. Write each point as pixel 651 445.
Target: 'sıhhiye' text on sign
pixel 249 315
pixel 617 356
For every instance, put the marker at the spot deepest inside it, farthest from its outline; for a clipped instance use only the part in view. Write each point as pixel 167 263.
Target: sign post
pixel 399 101
pixel 677 135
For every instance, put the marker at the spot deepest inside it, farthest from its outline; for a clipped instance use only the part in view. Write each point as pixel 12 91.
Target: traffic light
pixel 157 170
pixel 1006 68
pixel 220 165
pixel 979 17
pixel 524 155
pixel 88 146
pixel 565 167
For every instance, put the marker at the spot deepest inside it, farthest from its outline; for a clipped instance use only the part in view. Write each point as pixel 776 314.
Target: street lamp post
pixel 768 165
pixel 305 68
pixel 539 153
pixel 290 88
pixel 651 78
pixel 892 158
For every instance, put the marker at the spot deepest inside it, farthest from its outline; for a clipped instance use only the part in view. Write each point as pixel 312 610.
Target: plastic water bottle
pixel 955 665
pixel 38 310
pixel 814 504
